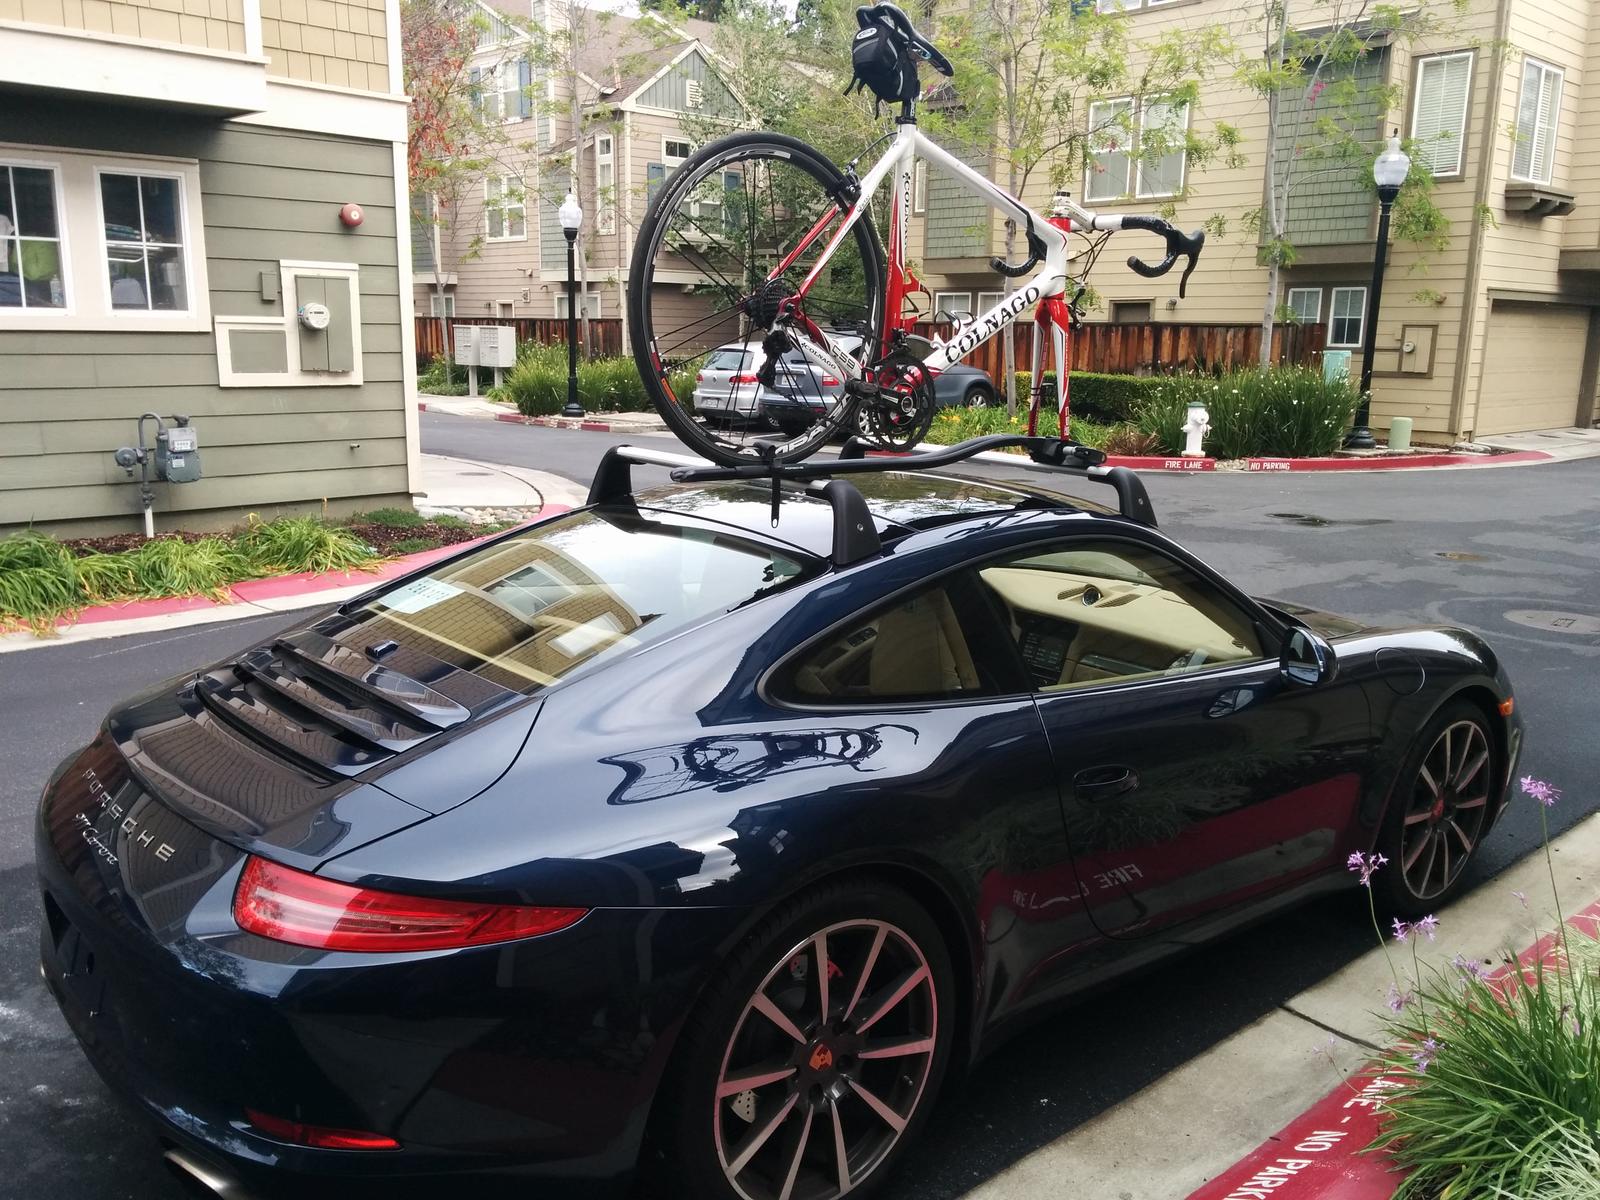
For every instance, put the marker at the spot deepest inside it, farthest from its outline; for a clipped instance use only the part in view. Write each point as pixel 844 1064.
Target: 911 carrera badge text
pixel 128 826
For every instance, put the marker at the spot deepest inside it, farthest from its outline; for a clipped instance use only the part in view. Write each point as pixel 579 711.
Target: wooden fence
pixel 1143 349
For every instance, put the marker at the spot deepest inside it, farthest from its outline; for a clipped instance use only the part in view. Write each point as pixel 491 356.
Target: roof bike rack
pixel 855 534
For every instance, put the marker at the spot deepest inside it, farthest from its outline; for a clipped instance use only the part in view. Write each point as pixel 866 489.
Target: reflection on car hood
pixel 1328 624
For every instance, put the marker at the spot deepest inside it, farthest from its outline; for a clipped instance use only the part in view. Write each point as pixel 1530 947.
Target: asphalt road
pixel 1464 547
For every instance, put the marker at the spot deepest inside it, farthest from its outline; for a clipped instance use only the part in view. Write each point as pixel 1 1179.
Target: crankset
pixel 895 403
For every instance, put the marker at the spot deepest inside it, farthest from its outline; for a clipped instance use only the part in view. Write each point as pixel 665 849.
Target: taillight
pixel 829 381
pixel 744 379
pixel 323 1137
pixel 286 905
pixel 700 377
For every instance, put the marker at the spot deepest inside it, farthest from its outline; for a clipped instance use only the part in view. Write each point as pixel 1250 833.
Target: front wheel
pixel 1439 812
pixel 729 236
pixel 813 1060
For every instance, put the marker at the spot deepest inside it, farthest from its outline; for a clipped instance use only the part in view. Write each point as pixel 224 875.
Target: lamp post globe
pixel 570 214
pixel 1389 173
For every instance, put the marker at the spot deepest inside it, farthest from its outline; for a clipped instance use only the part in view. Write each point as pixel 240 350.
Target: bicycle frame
pixel 1044 289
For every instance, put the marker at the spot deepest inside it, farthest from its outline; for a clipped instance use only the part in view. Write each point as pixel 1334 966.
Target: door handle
pixel 1103 783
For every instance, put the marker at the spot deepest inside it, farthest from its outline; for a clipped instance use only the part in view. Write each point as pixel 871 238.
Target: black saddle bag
pixel 882 66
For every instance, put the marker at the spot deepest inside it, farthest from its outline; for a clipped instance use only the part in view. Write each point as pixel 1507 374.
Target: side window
pixel 916 649
pixel 1106 611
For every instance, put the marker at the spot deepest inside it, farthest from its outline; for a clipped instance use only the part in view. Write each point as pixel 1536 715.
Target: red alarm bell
pixel 352 215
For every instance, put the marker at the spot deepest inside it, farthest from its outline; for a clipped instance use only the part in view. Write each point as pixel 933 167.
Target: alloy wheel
pixel 827 1064
pixel 1447 811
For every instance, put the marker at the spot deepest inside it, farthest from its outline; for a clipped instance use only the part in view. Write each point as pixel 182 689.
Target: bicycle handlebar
pixel 892 16
pixel 1179 244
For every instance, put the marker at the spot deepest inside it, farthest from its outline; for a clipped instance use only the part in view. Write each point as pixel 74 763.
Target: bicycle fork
pixel 1053 316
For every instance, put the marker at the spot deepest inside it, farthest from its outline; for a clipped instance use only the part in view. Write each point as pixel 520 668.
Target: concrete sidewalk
pixel 1559 444
pixel 464 487
pixel 1176 1135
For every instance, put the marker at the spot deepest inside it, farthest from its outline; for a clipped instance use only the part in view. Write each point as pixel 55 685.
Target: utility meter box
pixel 178 453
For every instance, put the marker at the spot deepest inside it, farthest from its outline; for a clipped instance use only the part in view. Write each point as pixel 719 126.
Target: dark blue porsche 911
pixel 712 826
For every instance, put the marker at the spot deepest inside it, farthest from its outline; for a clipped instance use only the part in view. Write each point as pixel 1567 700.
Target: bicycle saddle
pixel 894 19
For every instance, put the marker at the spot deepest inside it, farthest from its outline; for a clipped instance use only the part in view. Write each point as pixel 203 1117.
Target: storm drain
pixel 1579 624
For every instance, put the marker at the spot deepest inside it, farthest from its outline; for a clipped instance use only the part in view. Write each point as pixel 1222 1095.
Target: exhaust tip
pixel 200 1179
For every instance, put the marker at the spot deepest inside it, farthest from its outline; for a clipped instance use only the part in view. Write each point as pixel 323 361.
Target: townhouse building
pixel 203 212
pixel 648 92
pixel 1498 332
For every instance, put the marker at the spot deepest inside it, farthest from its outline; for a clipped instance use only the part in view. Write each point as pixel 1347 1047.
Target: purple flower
pixel 1545 793
pixel 1470 966
pixel 1522 897
pixel 1396 999
pixel 1425 1055
pixel 1428 925
pixel 1365 865
pixel 1402 931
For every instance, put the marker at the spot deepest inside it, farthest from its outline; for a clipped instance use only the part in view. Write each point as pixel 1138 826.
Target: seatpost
pixel 908 113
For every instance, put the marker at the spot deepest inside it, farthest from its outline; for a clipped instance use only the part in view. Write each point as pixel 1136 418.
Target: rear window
pixel 527 611
pixel 727 360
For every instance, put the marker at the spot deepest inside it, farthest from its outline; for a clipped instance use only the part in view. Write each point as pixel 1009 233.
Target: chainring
pixel 900 415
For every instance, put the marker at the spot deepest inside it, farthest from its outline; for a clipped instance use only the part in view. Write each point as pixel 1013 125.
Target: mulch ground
pixel 379 537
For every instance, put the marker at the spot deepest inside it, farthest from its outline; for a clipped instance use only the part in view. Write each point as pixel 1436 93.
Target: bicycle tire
pixel 655 369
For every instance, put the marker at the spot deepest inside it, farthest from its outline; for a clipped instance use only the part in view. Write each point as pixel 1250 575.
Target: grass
pixel 391 518
pixel 953 425
pixel 42 581
pixel 413 545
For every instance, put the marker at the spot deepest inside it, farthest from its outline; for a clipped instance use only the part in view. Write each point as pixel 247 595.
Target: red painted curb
pixel 278 587
pixel 595 426
pixel 421 407
pixel 1395 462
pixel 1177 462
pixel 514 418
pixel 1317 1156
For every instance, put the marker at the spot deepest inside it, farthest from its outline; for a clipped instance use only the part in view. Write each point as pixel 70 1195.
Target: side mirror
pixel 1307 659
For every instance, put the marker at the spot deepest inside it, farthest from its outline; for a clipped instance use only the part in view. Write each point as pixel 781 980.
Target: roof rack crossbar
pixel 1084 462
pixel 613 478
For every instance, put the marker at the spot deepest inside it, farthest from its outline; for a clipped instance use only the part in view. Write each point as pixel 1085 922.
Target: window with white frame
pixel 987 300
pixel 1137 150
pixel 1439 114
pixel 1538 114
pixel 32 271
pixel 1347 315
pixel 673 152
pixel 1304 305
pixel 444 306
pixel 505 209
pixel 1163 133
pixel 588 305
pixel 142 216
pixel 1116 6
pixel 605 183
pixel 1110 145
pixel 503 91
pixel 919 186
pixel 94 241
pixel 952 304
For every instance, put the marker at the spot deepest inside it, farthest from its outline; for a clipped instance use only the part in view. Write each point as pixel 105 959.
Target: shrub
pixel 1105 399
pixel 953 425
pixel 1287 411
pixel 37 581
pixel 301 544
pixel 390 518
pixel 537 387
pixel 442 377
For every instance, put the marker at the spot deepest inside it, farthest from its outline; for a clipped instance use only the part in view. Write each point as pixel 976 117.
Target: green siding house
pixel 206 216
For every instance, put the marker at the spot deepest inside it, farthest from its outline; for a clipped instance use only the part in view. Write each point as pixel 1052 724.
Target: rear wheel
pixel 813 1060
pixel 705 274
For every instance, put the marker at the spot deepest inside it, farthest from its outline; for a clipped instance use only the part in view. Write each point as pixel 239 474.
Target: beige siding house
pixel 1498 332
pixel 648 93
pixel 187 188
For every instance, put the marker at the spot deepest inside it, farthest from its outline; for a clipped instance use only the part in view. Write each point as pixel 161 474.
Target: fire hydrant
pixel 1195 429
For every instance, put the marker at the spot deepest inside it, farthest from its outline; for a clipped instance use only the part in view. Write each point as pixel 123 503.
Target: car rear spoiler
pixel 855 535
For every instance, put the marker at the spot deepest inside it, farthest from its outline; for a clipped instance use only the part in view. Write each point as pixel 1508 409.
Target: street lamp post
pixel 571 216
pixel 1389 173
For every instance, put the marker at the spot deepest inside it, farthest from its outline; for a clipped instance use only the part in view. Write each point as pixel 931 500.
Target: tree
pixel 1322 117
pixel 452 142
pixel 1026 75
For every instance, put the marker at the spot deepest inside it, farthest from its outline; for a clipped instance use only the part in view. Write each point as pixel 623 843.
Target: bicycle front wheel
pixel 729 236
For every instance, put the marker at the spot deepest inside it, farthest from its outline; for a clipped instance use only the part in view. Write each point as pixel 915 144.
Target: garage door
pixel 1532 367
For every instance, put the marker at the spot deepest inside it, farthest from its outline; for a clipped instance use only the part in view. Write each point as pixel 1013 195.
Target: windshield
pixel 528 610
pixel 729 358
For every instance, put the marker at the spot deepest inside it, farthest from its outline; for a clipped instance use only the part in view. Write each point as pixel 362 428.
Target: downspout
pixel 1469 296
